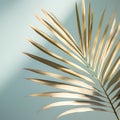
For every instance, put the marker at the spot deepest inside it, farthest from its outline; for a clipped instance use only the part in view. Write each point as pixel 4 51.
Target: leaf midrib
pixel 107 96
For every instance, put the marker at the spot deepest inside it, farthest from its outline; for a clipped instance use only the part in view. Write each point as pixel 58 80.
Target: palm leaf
pixel 90 75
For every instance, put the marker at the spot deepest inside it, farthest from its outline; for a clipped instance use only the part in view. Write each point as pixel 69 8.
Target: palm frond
pixel 91 79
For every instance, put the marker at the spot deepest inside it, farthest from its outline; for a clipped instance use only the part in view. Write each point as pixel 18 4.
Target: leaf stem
pixel 104 91
pixel 108 99
pixel 110 103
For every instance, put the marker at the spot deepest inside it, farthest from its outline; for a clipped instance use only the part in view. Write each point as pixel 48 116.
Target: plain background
pixel 15 18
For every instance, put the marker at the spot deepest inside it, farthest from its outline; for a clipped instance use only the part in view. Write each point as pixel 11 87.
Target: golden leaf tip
pixel 44 11
pixel 31 95
pixel 31 26
pixel 35 15
pixel 76 4
pixel 39 18
pixel 25 69
pixel 27 78
pixel 24 52
pixel 28 39
pixel 45 108
pixel 119 27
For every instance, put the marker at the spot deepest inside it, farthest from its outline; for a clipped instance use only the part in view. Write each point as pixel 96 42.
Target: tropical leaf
pixel 89 73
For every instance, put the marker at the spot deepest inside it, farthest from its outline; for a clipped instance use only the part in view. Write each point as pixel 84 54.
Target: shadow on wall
pixel 5 3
